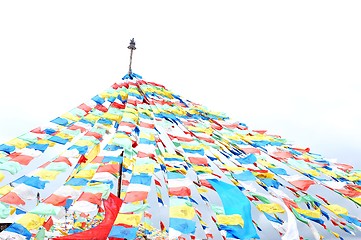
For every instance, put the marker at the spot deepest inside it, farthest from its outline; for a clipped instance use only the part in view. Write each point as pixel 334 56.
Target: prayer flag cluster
pixel 139 160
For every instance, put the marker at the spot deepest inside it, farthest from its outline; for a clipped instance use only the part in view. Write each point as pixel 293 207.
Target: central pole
pixel 131 47
pixel 120 177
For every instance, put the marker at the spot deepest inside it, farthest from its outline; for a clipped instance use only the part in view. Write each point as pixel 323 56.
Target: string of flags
pixel 138 160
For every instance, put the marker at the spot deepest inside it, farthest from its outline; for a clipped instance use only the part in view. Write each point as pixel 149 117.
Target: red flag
pixel 143 154
pixel 12 198
pixel 302 184
pixel 216 175
pixel 349 192
pixel 101 231
pixel 110 168
pixel 134 196
pixel 47 225
pixel 84 107
pixel 56 200
pixel 22 159
pixel 205 183
pixel 251 150
pixel 260 131
pixel 198 212
pixel 324 199
pixel 82 159
pixel 75 127
pixel 289 203
pixel 84 215
pixel 209 236
pixel 179 191
pixel 101 108
pixel 95 198
pixel 37 130
pixel 207 139
pixel 115 86
pixel 125 182
pixel 157 182
pixel 198 160
pixel 63 159
pixel 94 134
pixel 281 155
pixel 117 105
pixel 146 125
pixel 162 227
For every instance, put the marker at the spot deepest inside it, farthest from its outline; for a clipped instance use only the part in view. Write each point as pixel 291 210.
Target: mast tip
pixel 132 44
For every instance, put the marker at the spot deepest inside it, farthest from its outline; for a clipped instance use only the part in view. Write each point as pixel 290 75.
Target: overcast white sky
pixel 291 67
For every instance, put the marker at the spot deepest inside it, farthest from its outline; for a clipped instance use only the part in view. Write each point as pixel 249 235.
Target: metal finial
pixel 131 47
pixel 132 44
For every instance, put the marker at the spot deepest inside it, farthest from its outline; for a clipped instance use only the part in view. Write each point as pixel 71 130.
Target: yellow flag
pixel 108 95
pixel 234 219
pixel 202 189
pixel 127 162
pixel 12 210
pixel 208 131
pixel 31 221
pixel 148 227
pixel 171 155
pixel 352 178
pixel 357 174
pixel 128 219
pixel 122 195
pixel 18 143
pixel 335 234
pixel 84 143
pixel 111 116
pixel 93 153
pixel 5 189
pixel 173 169
pixel 47 174
pixel 70 117
pixel 131 116
pixel 87 174
pixel 64 135
pixel 92 118
pixel 265 163
pixel 147 136
pixel 311 213
pixel 78 225
pixel 145 168
pixel 312 172
pixel 235 169
pixel 121 135
pixel 327 172
pixel 265 175
pixel 44 141
pixel 2 176
pixel 182 211
pixel 193 147
pixel 336 209
pixel 123 95
pixel 202 169
pixel 357 200
pixel 234 181
pixel 270 208
pixel 62 231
